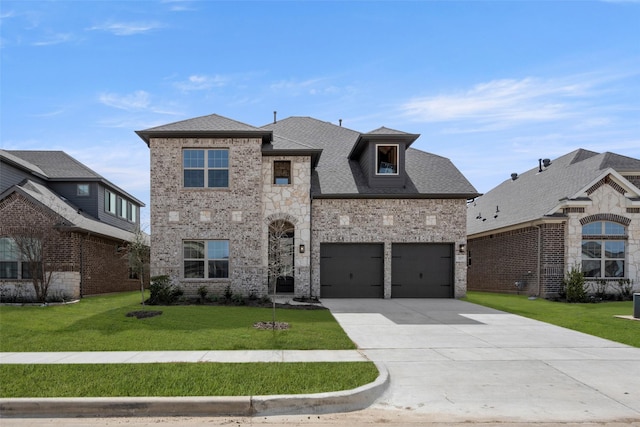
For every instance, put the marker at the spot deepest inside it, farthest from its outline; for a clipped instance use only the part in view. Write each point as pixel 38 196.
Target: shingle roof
pixel 535 194
pixel 56 164
pixel 210 124
pixel 72 218
pixel 336 175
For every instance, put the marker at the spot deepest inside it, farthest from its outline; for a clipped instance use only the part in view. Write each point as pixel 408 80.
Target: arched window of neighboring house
pixel 604 248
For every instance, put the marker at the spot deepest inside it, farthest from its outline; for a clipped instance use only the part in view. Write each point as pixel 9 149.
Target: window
pixel 83 190
pixel 109 202
pixel 8 259
pixel 206 259
pixel 216 172
pixel 603 249
pixel 12 264
pixel 386 159
pixel 132 214
pixel 282 172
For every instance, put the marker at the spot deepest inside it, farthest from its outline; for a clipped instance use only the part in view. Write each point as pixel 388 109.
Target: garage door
pixel 351 270
pixel 421 270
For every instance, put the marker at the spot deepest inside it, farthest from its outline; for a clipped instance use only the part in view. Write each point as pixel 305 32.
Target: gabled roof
pixel 336 175
pixel 382 134
pixel 535 195
pixel 57 166
pixel 72 219
pixel 211 125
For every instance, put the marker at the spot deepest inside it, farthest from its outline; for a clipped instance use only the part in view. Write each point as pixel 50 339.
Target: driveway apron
pixel 457 361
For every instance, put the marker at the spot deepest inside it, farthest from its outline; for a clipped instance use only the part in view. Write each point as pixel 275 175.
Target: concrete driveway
pixel 450 360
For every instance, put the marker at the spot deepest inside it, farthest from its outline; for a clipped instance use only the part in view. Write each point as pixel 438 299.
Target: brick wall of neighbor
pixel 73 254
pixel 498 261
pixel 234 213
pixel 291 203
pixel 389 221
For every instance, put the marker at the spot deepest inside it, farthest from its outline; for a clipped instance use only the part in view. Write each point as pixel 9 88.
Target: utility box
pixel 636 305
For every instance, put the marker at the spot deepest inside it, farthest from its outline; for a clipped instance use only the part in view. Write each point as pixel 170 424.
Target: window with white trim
pixel 205 168
pixel 110 202
pixel 206 259
pixel 604 249
pixel 82 190
pixel 387 159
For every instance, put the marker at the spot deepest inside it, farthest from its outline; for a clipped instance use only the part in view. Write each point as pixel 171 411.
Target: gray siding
pixel 10 176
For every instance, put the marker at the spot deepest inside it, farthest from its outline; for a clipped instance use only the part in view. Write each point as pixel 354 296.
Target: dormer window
pixel 387 159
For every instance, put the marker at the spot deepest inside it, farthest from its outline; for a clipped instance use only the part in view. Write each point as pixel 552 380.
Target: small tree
pixel 280 254
pixel 138 257
pixel 32 245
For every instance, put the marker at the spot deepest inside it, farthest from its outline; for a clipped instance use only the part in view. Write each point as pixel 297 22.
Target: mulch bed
pixel 271 325
pixel 142 314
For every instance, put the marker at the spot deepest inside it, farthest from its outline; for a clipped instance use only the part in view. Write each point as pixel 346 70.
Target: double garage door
pixel 356 270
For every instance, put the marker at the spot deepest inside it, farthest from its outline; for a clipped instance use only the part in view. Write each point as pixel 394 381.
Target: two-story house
pixel 85 219
pixel 360 214
pixel 579 211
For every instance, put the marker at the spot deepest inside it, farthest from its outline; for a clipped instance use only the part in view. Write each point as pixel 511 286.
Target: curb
pixel 318 403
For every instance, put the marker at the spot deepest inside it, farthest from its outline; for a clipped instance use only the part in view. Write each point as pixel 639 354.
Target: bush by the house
pixel 162 291
pixel 574 286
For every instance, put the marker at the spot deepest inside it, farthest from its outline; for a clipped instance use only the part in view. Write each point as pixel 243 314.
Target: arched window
pixel 604 249
pixel 281 256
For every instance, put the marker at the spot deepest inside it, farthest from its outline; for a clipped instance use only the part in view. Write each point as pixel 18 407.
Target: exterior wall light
pixel 301 249
pixel 462 247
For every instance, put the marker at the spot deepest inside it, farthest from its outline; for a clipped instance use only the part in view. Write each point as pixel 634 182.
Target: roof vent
pixel 514 176
pixel 340 121
pixel 546 163
pixel 275 113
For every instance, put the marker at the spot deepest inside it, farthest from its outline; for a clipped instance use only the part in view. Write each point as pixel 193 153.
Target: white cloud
pixel 315 86
pixel 136 101
pixel 126 28
pixel 54 39
pixel 202 82
pixel 501 102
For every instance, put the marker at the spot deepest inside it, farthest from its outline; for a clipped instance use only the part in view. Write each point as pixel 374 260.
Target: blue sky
pixel 492 85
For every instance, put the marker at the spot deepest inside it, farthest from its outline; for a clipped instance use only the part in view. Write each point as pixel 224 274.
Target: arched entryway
pixel 281 257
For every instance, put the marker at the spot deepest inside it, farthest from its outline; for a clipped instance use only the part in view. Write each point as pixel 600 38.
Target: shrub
pixel 202 293
pixel 574 285
pixel 162 291
pixel 227 293
pixel 238 299
pixel 625 289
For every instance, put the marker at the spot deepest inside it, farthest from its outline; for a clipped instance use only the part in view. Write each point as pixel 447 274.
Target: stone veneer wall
pixel 606 200
pixel 233 213
pixel 290 203
pixel 389 221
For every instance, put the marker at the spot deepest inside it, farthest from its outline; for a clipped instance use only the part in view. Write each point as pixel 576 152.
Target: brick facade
pixel 83 265
pixel 389 221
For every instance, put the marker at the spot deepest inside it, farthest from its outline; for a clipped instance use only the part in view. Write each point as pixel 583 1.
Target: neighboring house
pixel 581 210
pixel 84 221
pixel 359 214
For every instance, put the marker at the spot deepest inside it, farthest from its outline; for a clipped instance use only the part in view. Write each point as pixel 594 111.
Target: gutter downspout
pixel 538 266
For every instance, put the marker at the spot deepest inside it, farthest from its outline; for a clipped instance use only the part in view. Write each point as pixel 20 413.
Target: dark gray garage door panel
pixel 422 270
pixel 351 270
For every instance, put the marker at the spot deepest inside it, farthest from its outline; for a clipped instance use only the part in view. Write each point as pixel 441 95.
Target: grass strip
pixel 596 319
pixel 100 324
pixel 182 379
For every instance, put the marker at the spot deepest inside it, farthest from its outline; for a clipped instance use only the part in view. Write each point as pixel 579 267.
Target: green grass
pixel 100 324
pixel 182 379
pixel 591 318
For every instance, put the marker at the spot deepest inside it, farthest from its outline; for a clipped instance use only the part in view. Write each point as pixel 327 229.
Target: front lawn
pixel 100 324
pixel 591 318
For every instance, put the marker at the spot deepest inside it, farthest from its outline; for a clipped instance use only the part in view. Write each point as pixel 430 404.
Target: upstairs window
pixel 83 190
pixel 386 159
pixel 110 202
pixel 206 168
pixel 282 172
pixel 603 249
